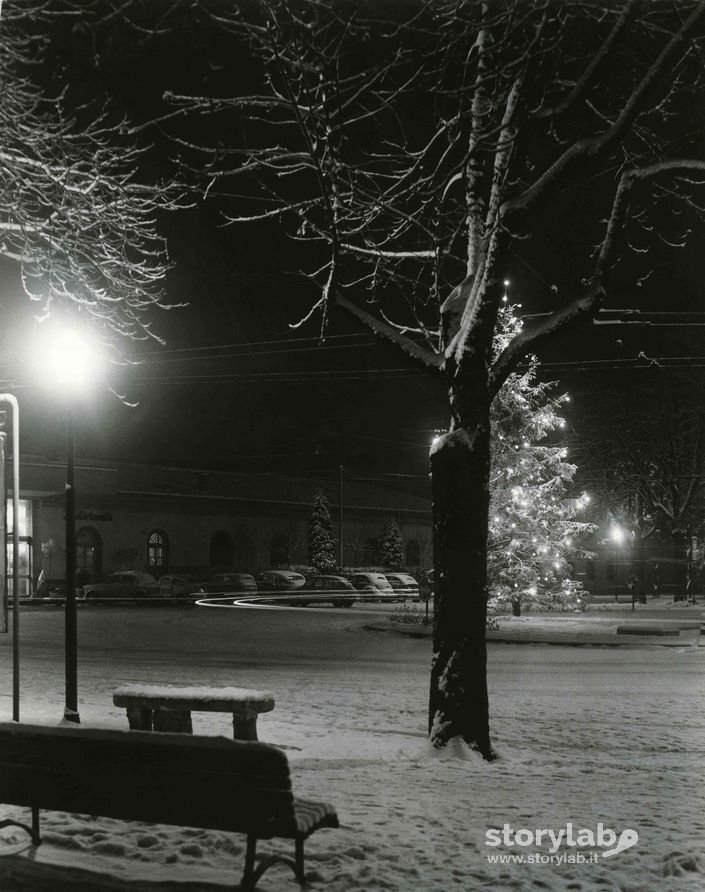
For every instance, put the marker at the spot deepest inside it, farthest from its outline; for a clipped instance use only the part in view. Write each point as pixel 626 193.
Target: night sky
pixel 235 386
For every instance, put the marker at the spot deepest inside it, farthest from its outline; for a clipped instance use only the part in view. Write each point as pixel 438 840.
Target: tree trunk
pixel 458 703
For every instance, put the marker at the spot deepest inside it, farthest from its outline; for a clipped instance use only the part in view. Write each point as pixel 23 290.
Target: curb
pixel 667 633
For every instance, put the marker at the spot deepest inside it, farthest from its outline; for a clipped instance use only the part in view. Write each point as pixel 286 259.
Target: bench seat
pixel 188 780
pixel 169 707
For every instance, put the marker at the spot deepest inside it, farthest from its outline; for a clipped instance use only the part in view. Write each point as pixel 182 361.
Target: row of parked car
pixel 344 590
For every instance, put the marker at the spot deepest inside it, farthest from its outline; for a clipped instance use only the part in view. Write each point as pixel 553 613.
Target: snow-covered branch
pixel 391 333
pixel 75 210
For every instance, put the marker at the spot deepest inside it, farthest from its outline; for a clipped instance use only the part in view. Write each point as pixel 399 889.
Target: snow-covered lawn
pixel 586 736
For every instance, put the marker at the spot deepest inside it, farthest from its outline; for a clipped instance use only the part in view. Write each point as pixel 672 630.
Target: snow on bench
pixel 153 707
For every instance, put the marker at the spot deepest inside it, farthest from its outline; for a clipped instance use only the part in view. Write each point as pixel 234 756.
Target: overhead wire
pixel 272 341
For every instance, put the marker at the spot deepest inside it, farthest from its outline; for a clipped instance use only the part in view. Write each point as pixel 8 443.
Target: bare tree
pixel 411 150
pixel 645 458
pixel 75 211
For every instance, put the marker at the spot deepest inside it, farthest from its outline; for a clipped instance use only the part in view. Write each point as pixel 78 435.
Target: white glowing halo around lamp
pixel 68 356
pixel 617 535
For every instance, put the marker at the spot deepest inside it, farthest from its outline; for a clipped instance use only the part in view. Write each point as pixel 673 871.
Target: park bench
pixel 168 707
pixel 186 780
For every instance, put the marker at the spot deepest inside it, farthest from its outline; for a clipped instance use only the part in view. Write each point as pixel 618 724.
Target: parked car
pixel 375 584
pixel 403 584
pixel 327 589
pixel 280 580
pixel 225 583
pixel 123 584
pixel 179 587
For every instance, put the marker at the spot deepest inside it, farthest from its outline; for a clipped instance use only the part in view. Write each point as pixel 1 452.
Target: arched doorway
pixel 221 551
pixel 157 550
pixel 89 554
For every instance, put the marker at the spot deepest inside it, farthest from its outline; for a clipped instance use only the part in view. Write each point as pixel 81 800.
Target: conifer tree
pixel 534 529
pixel 321 544
pixel 392 550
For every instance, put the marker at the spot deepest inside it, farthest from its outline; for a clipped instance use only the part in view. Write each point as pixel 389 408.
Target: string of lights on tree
pixel 534 526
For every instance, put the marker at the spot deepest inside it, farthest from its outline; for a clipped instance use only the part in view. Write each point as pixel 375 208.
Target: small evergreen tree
pixel 534 531
pixel 391 548
pixel 321 544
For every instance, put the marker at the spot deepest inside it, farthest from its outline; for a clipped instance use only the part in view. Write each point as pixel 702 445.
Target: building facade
pixel 159 519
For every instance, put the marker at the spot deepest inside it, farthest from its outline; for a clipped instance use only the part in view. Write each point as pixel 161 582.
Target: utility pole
pixel 340 518
pixel 71 649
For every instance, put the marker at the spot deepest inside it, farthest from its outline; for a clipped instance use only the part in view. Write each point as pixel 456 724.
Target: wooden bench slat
pixel 207 782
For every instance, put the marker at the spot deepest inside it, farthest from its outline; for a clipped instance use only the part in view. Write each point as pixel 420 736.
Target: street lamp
pixel 619 536
pixel 68 358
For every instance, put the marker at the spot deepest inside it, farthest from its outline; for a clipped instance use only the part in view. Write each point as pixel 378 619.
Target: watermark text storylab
pixel 601 842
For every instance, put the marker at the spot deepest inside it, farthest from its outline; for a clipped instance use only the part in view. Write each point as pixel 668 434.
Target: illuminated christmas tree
pixel 535 529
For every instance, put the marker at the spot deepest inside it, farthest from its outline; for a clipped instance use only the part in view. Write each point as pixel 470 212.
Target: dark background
pixel 235 386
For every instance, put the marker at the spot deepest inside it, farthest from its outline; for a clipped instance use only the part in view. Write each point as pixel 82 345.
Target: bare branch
pixel 391 333
pixel 596 147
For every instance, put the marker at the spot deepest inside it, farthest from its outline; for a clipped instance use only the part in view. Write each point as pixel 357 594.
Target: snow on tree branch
pixel 76 212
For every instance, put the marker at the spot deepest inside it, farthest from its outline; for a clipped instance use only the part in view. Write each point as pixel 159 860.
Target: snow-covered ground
pixel 587 736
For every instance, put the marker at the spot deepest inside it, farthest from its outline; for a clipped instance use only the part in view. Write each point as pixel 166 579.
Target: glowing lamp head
pixel 68 357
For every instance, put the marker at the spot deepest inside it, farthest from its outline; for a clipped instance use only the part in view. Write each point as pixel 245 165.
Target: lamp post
pixel 71 632
pixel 9 399
pixel 69 359
pixel 617 535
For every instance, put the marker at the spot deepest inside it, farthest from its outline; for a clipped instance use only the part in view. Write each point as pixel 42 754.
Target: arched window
pixel 157 549
pixel 89 554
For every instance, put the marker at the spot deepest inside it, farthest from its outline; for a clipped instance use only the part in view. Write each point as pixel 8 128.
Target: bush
pixel 409 613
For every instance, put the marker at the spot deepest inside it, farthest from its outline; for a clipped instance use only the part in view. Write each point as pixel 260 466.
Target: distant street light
pixel 68 356
pixel 617 534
